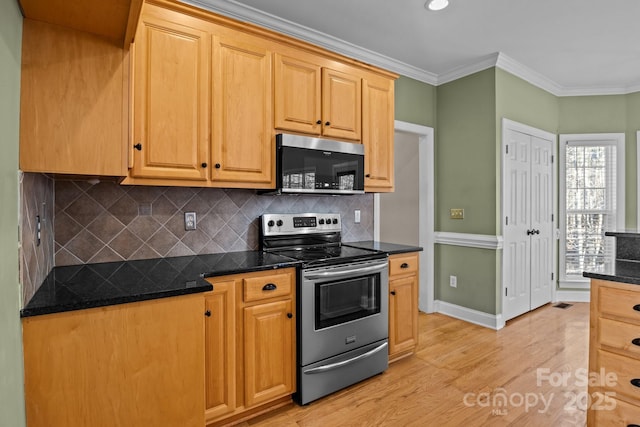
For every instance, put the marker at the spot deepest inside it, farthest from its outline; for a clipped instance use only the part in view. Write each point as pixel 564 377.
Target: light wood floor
pixel 458 371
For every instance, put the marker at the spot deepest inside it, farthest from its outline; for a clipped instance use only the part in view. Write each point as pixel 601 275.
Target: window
pixel 591 202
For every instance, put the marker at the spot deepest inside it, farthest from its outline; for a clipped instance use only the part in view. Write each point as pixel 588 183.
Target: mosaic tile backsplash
pixel 108 222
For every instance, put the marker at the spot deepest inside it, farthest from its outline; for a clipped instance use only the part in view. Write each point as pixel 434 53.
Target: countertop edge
pixel 292 264
pixel 613 278
pixel 38 311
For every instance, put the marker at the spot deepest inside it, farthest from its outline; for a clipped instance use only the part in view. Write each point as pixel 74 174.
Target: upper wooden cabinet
pixel 243 152
pixel 377 133
pixel 170 97
pixel 71 102
pixel 317 100
pixel 297 95
pixel 202 104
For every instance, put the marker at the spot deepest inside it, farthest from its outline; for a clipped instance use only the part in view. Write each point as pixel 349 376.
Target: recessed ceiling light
pixel 436 4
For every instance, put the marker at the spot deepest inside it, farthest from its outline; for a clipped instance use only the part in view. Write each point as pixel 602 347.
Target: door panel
pixel 242 112
pixel 542 209
pixel 517 213
pixel 528 228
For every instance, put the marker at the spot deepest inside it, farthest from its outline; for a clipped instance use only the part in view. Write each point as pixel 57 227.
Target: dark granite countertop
pixel 390 248
pixel 623 233
pixel 625 271
pixel 96 285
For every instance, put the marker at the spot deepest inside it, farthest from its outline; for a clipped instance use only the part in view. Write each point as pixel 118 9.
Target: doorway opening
pixel 406 216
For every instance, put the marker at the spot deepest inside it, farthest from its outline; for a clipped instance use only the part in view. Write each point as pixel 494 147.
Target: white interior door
pixel 541 221
pixel 517 241
pixel 528 226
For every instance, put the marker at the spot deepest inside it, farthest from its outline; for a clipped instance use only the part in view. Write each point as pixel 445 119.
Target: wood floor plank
pixel 459 374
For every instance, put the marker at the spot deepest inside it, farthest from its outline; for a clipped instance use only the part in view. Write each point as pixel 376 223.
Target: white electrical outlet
pixel 357 216
pixel 189 221
pixel 453 281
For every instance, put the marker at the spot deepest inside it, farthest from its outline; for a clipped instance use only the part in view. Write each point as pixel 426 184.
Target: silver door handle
pixel 337 365
pixel 362 270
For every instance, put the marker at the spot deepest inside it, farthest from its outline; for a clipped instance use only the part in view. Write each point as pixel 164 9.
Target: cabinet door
pixel 341 104
pixel 137 364
pixel 170 91
pixel 403 314
pixel 243 143
pixel 220 350
pixel 269 351
pixel 297 97
pixel 378 133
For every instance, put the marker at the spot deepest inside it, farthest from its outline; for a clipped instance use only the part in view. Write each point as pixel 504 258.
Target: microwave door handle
pixel 333 274
pixel 332 366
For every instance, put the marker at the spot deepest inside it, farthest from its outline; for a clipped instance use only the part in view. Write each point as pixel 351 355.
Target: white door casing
pixel 528 224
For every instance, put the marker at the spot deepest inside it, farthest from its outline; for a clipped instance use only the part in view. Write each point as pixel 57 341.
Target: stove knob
pixel 271 223
pixel 335 220
pixel 328 220
pixel 279 223
pixel 321 222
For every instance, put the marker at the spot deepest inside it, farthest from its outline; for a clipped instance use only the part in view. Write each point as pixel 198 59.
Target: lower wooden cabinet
pixel 403 304
pixel 136 364
pixel 250 344
pixel 614 358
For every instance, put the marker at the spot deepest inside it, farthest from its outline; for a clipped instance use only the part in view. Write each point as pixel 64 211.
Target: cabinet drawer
pixel 622 414
pixel 403 264
pixel 619 302
pixel 619 335
pixel 267 286
pixel 626 369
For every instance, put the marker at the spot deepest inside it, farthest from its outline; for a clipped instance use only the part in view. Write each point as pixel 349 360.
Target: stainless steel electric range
pixel 342 302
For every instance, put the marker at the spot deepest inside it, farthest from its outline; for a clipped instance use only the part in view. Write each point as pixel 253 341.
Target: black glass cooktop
pixel 328 255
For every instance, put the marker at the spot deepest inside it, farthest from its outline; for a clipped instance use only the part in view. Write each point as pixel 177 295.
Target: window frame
pixel 615 139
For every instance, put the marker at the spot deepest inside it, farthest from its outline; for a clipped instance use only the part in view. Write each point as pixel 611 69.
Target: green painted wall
pixel 465 154
pixel 465 165
pixel 11 377
pixel 631 152
pixel 606 113
pixel 523 102
pixel 415 102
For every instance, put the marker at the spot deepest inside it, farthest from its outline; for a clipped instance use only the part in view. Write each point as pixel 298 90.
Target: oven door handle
pixel 341 273
pixel 337 365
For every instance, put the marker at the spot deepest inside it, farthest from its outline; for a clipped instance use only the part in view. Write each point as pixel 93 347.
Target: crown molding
pixel 482 64
pixel 242 12
pixel 252 15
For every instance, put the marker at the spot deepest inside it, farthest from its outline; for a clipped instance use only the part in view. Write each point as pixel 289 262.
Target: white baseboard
pixel 572 296
pixel 491 321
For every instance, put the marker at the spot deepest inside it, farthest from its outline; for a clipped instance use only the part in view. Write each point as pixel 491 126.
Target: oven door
pixel 342 308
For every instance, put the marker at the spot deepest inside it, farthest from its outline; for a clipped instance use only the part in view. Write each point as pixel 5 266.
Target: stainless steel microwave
pixel 318 166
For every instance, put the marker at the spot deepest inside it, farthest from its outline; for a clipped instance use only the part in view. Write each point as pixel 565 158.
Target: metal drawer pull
pixel 269 287
pixel 337 365
pixel 633 425
pixel 404 265
pixel 635 382
pixel 636 341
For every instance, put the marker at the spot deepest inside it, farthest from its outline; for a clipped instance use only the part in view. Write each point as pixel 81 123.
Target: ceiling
pixel 568 47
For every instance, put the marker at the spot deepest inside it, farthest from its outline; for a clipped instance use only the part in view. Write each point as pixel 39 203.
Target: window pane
pixel 594 177
pixel 595 199
pixel 594 156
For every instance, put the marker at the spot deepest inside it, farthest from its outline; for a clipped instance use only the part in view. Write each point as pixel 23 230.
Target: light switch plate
pixel 356 215
pixel 189 221
pixel 456 213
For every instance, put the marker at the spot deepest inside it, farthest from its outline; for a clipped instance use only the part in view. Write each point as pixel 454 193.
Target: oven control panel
pixel 282 224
